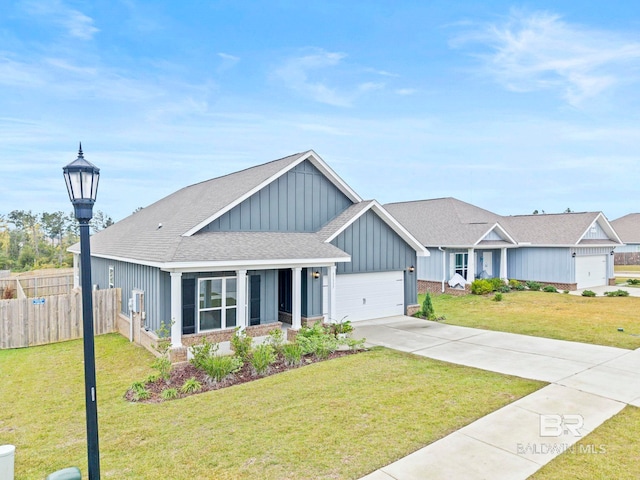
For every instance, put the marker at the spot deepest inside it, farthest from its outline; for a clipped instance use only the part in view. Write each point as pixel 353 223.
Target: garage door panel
pixel 591 271
pixel 364 296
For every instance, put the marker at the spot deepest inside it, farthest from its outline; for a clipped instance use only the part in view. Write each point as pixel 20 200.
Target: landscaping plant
pixel 261 359
pixel 241 344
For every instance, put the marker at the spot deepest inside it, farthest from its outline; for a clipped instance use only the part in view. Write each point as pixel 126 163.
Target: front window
pixel 217 303
pixel 461 264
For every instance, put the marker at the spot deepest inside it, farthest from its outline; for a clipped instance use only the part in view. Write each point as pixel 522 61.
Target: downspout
pixel 444 265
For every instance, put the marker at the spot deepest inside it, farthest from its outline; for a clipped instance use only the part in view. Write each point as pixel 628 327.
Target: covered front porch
pixel 213 303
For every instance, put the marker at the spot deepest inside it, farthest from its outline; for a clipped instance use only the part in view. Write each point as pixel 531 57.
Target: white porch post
pixel 296 299
pixel 241 300
pixel 503 264
pixel 332 294
pixel 471 265
pixel 176 309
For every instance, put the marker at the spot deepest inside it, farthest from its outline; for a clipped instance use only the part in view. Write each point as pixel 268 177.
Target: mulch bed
pixel 184 371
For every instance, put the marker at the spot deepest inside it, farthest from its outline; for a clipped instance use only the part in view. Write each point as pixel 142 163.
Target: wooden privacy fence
pixel 38 321
pixel 39 285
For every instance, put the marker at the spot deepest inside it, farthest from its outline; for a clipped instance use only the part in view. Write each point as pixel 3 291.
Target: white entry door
pixel 487 263
pixel 363 296
pixel 591 271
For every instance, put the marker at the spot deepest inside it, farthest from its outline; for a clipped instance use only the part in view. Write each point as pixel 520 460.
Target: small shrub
pixel 139 391
pixel 152 378
pixel 515 284
pixel 588 293
pixel 504 289
pixel 535 286
pixel 202 352
pixel 163 345
pixel 163 365
pixel 169 394
pixel 481 287
pixel 342 327
pixel 261 359
pixel 317 340
pixel 497 284
pixel 276 340
pixel 219 368
pixel 497 297
pixel 292 353
pixel 191 385
pixel 241 344
pixel 356 344
pixel 550 289
pixel 565 291
pixel 633 281
pixel 617 293
pixel 428 311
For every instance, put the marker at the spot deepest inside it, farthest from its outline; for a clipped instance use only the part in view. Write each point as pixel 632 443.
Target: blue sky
pixel 510 106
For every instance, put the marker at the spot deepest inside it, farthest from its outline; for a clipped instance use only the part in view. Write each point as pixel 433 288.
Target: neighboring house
pixel 286 241
pixel 570 251
pixel 628 228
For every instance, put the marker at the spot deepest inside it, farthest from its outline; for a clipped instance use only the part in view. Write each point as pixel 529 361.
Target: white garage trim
pixel 363 296
pixel 591 271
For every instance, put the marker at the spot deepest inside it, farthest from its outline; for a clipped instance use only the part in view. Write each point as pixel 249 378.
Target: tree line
pixel 31 240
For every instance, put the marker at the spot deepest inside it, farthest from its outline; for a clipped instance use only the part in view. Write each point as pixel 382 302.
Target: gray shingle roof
pixel 443 221
pixel 628 227
pixel 552 229
pixel 343 219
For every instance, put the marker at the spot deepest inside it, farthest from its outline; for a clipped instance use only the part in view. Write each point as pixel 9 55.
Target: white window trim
pixel 223 307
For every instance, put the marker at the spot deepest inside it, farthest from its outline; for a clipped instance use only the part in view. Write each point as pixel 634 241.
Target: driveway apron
pixel 588 384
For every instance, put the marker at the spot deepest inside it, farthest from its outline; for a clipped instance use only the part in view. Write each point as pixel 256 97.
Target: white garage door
pixel 362 296
pixel 591 271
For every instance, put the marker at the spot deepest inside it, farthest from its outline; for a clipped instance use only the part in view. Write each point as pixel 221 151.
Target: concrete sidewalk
pixel 588 385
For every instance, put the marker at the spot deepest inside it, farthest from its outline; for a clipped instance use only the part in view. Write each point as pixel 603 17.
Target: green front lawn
pixel 551 315
pixel 610 451
pixel 341 418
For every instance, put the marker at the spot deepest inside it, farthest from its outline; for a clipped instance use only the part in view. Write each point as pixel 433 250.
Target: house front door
pixel 487 264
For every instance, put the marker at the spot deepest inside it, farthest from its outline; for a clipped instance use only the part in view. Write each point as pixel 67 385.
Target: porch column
pixel 296 299
pixel 503 264
pixel 176 309
pixel 471 265
pixel 241 300
pixel 332 293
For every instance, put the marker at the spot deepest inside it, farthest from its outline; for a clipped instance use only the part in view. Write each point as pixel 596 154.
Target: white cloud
pixel 228 61
pixel 540 51
pixel 76 23
pixel 405 91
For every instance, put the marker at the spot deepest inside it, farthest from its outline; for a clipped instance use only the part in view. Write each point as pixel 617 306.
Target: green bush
pixel 617 293
pixel 317 340
pixel 550 289
pixel 276 339
pixel 191 385
pixel 515 284
pixel 503 289
pixel 140 391
pixel 169 394
pixel 481 287
pixel 428 311
pixel 292 353
pixel 535 286
pixel 588 293
pixel 497 284
pixel 497 297
pixel 202 352
pixel 633 281
pixel 220 367
pixel 261 358
pixel 241 344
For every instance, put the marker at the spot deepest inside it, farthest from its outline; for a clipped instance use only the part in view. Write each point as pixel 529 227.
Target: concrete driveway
pixel 588 385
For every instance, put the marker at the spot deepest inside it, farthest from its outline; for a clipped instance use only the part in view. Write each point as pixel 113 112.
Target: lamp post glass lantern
pixel 82 178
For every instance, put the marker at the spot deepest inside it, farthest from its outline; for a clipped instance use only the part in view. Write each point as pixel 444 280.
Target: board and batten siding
pixel 430 268
pixel 552 264
pixel 302 200
pixel 595 232
pixel 131 276
pixel 312 292
pixel 375 247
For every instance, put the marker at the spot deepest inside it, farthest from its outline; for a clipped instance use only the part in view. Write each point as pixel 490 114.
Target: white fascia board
pixel 312 157
pixel 387 218
pixel 606 226
pixel 252 264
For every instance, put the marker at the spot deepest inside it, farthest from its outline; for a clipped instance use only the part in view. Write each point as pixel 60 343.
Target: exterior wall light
pixel 412 269
pixel 316 274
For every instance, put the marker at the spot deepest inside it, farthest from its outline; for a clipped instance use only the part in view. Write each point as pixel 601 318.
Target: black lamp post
pixel 82 184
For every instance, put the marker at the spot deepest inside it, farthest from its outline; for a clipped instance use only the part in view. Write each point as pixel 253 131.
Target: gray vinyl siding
pixel 430 268
pixel 130 276
pixel 311 293
pixel 375 247
pixel 268 294
pixel 597 234
pixel 552 264
pixel 630 247
pixel 303 200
